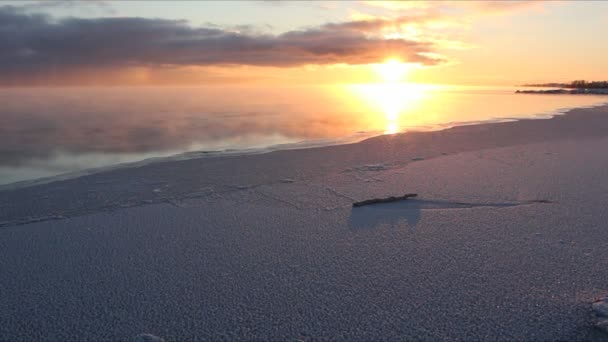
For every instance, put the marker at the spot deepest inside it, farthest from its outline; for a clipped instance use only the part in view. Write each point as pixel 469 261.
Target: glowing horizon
pixel 324 42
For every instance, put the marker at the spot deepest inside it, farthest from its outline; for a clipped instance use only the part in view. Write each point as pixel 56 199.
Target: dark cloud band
pixel 31 43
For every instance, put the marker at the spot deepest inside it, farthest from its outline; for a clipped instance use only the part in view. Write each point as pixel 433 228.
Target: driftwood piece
pixel 383 200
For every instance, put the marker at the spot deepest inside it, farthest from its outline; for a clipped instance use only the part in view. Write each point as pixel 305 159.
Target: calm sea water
pixel 50 131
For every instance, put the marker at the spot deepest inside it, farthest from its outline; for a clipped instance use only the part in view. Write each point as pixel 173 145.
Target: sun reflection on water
pixel 397 102
pixel 391 128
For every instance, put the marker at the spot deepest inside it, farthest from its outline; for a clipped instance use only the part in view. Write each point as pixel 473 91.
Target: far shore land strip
pixel 575 87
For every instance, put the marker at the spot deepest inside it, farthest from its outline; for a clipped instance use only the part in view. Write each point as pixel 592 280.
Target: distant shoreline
pixel 574 87
pixel 577 91
pixel 579 84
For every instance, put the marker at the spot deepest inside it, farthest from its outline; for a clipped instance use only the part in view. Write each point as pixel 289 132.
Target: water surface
pixel 51 131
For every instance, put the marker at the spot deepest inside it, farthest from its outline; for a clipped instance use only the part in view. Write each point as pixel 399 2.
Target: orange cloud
pixel 472 7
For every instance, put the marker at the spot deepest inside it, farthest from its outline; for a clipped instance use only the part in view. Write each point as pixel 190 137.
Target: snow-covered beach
pixel 505 241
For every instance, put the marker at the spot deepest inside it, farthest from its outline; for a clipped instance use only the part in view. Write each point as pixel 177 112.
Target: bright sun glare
pixel 393 70
pixel 394 96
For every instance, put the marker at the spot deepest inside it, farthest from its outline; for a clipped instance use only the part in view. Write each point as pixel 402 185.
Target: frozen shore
pixel 505 241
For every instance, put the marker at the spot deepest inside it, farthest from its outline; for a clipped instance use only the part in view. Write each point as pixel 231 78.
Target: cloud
pixel 49 5
pixel 36 43
pixel 468 6
pixel 442 24
pixel 398 5
pixel 439 30
pixel 499 7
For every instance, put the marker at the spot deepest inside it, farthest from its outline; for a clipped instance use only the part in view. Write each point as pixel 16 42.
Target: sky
pixel 317 42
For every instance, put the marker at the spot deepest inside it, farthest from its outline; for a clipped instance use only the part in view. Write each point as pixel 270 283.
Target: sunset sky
pixel 202 42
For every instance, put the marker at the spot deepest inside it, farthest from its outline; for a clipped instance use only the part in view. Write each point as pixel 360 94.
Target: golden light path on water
pixel 394 97
pixel 394 103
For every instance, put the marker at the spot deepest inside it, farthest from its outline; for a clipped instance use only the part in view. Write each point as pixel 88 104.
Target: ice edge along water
pixel 317 143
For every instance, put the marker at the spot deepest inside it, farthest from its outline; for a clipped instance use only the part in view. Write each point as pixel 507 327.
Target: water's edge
pixel 308 144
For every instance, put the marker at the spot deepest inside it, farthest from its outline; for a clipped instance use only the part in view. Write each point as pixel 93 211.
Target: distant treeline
pixel 574 84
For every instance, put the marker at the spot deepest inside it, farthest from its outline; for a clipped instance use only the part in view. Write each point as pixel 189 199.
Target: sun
pixel 393 70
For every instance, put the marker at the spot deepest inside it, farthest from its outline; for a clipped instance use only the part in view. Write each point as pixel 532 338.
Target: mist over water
pixel 50 131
